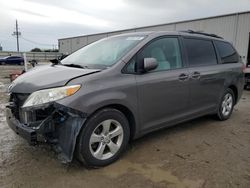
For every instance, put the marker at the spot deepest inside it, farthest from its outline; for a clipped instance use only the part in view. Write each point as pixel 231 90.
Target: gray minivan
pixel 93 102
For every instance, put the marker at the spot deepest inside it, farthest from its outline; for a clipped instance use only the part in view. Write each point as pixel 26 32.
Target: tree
pixel 36 50
pixel 50 50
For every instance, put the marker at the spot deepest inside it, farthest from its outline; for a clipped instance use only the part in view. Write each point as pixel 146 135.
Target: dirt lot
pixel 200 153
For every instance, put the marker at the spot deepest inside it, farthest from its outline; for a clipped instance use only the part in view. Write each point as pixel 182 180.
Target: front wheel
pixel 103 139
pixel 226 105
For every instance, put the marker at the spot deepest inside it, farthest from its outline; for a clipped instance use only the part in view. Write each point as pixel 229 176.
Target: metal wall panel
pixel 243 31
pixel 170 27
pixel 93 38
pixel 222 26
pixel 234 28
pixel 193 25
pixel 78 42
pixel 128 31
pixel 113 33
pixel 65 46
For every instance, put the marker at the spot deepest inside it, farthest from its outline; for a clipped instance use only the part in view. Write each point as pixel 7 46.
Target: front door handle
pixel 183 77
pixel 196 75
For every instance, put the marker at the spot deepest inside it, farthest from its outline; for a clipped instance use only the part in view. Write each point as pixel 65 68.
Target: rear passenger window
pixel 226 52
pixel 200 52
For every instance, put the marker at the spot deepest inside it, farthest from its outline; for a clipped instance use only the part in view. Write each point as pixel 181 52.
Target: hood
pixel 47 76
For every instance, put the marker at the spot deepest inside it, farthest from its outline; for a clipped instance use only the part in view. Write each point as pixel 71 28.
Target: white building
pixel 232 27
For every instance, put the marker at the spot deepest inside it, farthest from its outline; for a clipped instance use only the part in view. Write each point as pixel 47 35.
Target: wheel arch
pixel 128 114
pixel 235 91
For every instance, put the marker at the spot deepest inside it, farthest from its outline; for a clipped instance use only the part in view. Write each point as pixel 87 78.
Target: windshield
pixel 103 53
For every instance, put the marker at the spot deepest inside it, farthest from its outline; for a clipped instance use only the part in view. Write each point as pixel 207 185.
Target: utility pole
pixel 17 39
pixel 17 34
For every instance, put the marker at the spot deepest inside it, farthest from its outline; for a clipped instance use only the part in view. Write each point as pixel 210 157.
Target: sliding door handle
pixel 183 77
pixel 196 75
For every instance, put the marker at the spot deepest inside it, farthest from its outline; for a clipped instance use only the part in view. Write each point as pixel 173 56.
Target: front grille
pixel 41 114
pixel 17 99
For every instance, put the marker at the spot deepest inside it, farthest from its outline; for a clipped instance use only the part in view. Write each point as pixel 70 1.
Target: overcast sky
pixel 42 22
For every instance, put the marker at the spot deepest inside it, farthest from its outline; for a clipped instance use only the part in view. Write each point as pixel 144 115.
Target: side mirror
pixel 150 64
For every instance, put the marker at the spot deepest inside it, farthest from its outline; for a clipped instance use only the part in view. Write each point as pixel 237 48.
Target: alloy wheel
pixel 106 139
pixel 227 104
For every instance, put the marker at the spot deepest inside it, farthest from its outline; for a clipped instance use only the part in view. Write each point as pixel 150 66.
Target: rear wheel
pixel 226 105
pixel 103 139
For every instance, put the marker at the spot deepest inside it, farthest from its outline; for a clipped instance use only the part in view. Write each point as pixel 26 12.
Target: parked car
pixel 119 88
pixel 12 60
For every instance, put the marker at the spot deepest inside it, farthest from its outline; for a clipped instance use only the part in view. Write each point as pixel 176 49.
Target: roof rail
pixel 201 33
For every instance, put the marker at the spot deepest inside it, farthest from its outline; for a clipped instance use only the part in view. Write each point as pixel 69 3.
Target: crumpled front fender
pixel 59 126
pixel 67 136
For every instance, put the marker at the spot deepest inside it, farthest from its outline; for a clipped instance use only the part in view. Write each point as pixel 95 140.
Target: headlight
pixel 49 95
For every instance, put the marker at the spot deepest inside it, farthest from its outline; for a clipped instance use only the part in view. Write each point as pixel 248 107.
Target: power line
pixel 18 35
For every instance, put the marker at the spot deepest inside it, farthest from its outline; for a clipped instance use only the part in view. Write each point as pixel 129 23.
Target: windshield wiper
pixel 76 66
pixel 55 62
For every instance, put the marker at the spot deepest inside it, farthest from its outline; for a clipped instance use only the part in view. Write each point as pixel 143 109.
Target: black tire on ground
pixel 83 148
pixel 246 86
pixel 220 115
pixel 22 63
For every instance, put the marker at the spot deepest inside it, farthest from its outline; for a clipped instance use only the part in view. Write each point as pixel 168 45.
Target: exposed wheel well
pixel 234 89
pixel 129 115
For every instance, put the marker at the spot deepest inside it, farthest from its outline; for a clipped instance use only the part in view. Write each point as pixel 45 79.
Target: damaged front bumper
pixel 52 123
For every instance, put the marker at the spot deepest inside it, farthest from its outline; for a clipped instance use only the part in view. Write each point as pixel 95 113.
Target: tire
pixel 22 63
pixel 226 105
pixel 96 147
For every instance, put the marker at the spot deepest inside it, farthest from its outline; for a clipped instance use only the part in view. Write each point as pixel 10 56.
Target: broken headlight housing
pixel 50 95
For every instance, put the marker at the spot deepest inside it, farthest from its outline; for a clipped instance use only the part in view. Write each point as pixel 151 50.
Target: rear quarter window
pixel 226 52
pixel 200 52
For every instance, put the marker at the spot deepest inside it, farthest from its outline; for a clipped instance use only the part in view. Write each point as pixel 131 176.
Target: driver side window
pixel 166 51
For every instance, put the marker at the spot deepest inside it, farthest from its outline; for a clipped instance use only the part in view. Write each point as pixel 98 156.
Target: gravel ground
pixel 200 153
